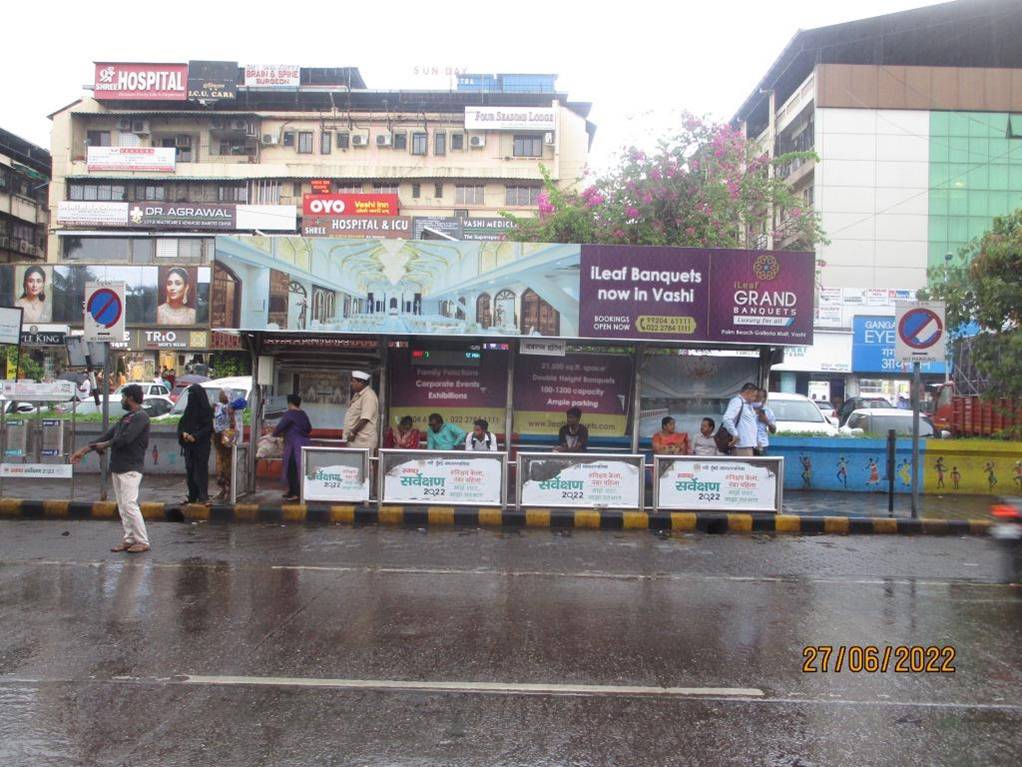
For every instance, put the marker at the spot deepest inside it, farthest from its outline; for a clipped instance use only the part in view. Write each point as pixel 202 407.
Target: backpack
pixel 723 436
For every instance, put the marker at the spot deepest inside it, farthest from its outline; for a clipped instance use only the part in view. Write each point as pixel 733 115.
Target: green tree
pixel 983 284
pixel 29 370
pixel 706 185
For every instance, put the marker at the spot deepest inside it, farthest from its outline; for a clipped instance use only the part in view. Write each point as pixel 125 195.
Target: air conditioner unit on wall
pixel 140 126
pixel 477 142
pixel 359 139
pixel 383 139
pixel 269 139
pixel 125 124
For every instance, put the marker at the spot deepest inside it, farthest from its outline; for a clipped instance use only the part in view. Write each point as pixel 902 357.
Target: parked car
pixel 240 385
pixel 154 404
pixel 183 382
pixel 881 420
pixel 149 389
pixel 860 403
pixel 798 413
pixel 827 408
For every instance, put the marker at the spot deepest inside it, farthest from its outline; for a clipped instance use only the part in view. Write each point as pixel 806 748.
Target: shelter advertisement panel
pixel 418 476
pixel 391 285
pixel 35 470
pixel 598 384
pixel 335 475
pixel 579 480
pixel 719 484
pixel 460 393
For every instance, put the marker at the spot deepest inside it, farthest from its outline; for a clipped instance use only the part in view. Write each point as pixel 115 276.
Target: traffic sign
pixel 921 335
pixel 104 311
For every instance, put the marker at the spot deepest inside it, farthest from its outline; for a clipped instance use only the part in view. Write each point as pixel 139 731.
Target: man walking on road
pixel 741 422
pixel 127 440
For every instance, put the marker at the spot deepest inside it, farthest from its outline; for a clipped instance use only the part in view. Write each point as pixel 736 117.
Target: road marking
pixel 509 688
pixel 585 574
pixel 723 694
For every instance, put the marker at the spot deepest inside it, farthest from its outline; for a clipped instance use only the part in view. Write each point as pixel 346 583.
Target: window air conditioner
pixel 477 142
pixel 383 139
pixel 360 139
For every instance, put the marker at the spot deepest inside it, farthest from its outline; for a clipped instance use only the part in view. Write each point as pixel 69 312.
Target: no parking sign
pixel 104 311
pixel 921 335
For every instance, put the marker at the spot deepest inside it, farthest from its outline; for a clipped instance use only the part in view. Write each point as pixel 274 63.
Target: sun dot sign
pixel 104 311
pixel 921 335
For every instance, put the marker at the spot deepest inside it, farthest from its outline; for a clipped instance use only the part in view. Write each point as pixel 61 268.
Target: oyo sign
pixel 335 205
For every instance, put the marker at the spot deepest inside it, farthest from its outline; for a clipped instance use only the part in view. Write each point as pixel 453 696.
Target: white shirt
pixel 762 429
pixel 740 410
pixel 704 445
pixel 487 443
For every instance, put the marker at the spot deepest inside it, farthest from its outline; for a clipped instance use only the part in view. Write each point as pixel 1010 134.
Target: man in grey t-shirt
pixel 127 441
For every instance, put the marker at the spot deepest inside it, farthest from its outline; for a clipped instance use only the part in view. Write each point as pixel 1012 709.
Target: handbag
pixel 723 436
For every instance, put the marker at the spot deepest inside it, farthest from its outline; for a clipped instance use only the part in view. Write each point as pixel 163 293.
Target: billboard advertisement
pixel 554 290
pixel 141 82
pixel 873 341
pixel 207 216
pixel 135 158
pixel 273 76
pixel 360 227
pixel 212 80
pixel 510 118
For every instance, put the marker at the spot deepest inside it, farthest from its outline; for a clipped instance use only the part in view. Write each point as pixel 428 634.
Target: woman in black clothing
pixel 194 434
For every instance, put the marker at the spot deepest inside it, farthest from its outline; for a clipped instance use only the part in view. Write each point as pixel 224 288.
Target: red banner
pixel 337 205
pixel 142 82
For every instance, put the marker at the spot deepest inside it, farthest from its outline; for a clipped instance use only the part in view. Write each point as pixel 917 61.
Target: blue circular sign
pixel 105 307
pixel 920 328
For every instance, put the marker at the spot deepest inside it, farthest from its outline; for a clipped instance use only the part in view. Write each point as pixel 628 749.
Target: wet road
pixel 271 645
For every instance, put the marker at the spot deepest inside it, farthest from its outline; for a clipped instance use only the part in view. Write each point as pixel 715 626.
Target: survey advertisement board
pixel 718 483
pixel 451 478
pixel 335 475
pixel 580 480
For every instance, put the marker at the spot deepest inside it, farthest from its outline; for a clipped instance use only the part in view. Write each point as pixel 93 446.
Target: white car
pixel 798 414
pixel 881 420
pixel 149 388
pixel 240 385
pixel 154 405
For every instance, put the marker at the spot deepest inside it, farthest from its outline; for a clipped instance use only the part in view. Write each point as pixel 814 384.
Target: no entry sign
pixel 104 311
pixel 921 335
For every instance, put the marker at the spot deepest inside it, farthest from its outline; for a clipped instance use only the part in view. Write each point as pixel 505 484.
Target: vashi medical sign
pixel 141 82
pixel 338 205
pixel 873 348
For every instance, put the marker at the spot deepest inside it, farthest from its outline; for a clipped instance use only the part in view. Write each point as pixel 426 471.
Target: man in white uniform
pixel 363 416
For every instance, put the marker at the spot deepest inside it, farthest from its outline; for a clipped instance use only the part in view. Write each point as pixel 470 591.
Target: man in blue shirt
pixel 766 423
pixel 443 436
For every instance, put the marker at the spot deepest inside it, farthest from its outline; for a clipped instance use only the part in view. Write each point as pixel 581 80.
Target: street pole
pixel 104 459
pixel 916 379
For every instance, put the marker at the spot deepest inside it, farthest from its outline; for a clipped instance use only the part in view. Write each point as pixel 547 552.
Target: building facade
pixel 916 121
pixel 162 157
pixel 24 199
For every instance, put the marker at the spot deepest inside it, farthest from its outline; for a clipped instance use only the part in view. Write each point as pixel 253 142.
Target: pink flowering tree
pixel 704 186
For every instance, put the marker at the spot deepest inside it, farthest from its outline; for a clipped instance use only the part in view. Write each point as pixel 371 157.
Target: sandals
pixel 137 548
pixel 122 547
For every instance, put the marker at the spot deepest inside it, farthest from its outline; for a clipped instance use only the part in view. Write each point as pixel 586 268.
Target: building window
pixel 438 191
pixel 233 194
pixel 289 138
pixel 98 138
pixel 522 195
pixel 343 140
pixel 420 143
pixel 469 194
pixel 348 188
pixel 326 142
pixel 152 192
pixel 439 144
pixel 181 144
pixel 528 146
pixel 265 192
pixel 401 140
pixel 236 147
pixel 416 190
pixel 457 141
pixel 305 142
pixel 383 188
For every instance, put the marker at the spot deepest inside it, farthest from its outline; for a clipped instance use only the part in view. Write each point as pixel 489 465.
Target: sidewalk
pixel 171 491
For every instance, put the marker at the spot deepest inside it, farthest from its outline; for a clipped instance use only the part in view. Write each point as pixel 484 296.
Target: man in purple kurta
pixel 295 428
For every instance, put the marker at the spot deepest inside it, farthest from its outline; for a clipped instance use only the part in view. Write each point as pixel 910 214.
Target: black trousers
pixel 197 471
pixel 293 484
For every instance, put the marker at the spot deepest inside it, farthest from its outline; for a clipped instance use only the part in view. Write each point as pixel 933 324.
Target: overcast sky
pixel 639 62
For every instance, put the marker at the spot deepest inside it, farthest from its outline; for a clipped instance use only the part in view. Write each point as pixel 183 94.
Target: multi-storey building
pixel 914 118
pixel 160 157
pixel 24 211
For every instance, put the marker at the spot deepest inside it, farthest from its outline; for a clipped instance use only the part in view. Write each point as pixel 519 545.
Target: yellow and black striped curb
pixel 418 516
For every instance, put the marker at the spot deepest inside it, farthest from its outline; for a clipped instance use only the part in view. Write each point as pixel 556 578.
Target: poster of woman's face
pixel 178 296
pixel 31 293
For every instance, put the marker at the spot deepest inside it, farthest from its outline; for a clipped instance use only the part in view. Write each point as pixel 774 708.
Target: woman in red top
pixel 404 437
pixel 667 441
